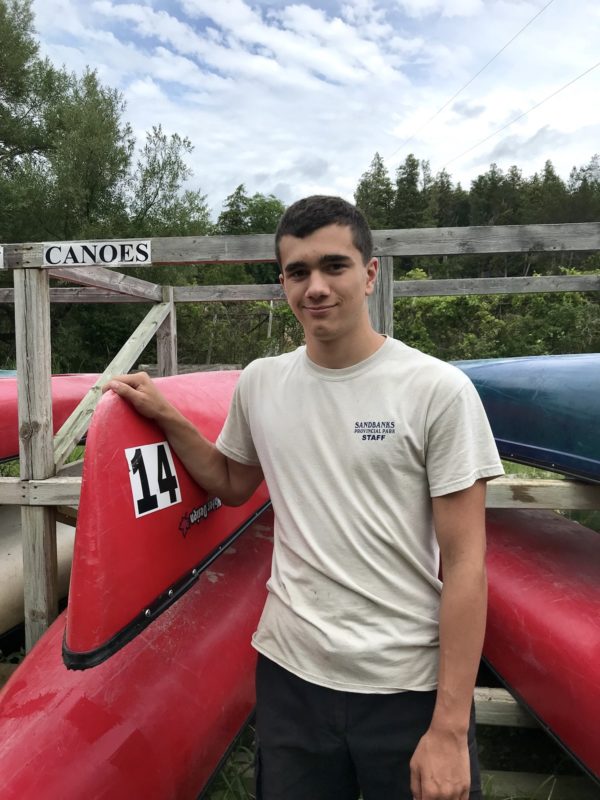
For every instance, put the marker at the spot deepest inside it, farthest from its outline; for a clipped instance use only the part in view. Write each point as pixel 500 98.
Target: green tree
pixel 374 194
pixel 157 201
pixel 410 201
pixel 545 197
pixel 28 86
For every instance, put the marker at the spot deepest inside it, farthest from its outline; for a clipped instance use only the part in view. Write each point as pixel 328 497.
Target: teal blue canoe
pixel 544 410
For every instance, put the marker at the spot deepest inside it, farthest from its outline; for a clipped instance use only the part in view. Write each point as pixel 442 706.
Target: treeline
pixel 489 326
pixel 69 170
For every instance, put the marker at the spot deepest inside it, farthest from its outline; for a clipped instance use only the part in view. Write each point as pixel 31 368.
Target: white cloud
pixel 292 97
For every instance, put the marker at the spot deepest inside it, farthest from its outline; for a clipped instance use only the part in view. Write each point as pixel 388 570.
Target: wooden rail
pixel 572 237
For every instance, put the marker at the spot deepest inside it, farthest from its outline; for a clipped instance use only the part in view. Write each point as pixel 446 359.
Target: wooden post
pixel 381 302
pixel 32 326
pixel 166 338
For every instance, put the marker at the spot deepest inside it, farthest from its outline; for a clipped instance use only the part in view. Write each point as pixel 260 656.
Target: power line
pixel 524 114
pixel 469 82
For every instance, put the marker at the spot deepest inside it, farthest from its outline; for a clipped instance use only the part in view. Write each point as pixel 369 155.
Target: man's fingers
pixel 415 782
pixel 135 381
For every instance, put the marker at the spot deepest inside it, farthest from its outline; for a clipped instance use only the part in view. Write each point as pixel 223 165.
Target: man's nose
pixel 317 284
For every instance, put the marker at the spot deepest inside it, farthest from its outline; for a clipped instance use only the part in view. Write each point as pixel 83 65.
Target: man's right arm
pixel 217 474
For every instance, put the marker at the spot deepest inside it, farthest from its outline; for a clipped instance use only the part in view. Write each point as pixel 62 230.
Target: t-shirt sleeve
pixel 235 440
pixel 460 445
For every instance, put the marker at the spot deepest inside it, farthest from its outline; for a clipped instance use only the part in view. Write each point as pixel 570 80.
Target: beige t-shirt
pixel 351 458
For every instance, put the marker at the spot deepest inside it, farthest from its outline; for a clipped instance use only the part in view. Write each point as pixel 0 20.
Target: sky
pixel 295 98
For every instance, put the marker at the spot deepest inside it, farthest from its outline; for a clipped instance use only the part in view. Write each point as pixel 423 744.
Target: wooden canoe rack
pixel 48 488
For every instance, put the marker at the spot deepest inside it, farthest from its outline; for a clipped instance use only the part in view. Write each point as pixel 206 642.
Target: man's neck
pixel 337 354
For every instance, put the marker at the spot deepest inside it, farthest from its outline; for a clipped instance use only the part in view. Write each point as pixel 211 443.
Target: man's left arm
pixel 440 767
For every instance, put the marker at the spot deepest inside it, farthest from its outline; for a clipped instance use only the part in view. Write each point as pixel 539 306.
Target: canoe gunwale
pixel 76 660
pixel 574 466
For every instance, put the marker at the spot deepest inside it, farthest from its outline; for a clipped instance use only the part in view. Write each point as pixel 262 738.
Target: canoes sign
pixel 81 254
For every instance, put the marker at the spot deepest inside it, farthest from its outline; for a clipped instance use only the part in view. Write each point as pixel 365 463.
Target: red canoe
pixel 67 392
pixel 166 588
pixel 543 630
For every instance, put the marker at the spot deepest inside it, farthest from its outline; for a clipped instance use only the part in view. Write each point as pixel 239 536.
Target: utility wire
pixel 524 114
pixel 469 82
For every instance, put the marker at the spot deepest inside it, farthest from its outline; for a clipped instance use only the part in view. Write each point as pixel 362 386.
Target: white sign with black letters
pixel 154 483
pixel 133 252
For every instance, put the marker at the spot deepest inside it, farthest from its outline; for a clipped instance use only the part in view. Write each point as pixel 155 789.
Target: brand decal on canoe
pixel 153 478
pixel 374 430
pixel 198 514
pixel 81 254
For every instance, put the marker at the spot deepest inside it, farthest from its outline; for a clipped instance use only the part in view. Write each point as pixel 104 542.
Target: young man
pixel 376 458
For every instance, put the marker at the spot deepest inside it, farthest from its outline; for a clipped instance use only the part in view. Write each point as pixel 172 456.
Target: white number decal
pixel 154 483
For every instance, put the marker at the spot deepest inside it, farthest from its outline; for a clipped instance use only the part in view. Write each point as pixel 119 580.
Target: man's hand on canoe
pixel 139 390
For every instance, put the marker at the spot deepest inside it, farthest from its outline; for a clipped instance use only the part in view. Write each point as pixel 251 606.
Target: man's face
pixel 326 282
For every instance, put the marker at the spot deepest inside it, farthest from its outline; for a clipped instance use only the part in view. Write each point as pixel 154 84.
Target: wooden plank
pixel 13 491
pixel 54 491
pixel 229 293
pixel 67 515
pixel 511 492
pixel 32 326
pixel 166 338
pixel 498 707
pixel 76 425
pixel 502 785
pixel 381 302
pixel 103 278
pixel 540 284
pixel 73 468
pixel 78 295
pixel 480 286
pixel 32 329
pixel 581 236
pixel 408 242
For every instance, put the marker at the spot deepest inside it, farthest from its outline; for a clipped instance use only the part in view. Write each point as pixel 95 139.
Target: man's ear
pixel 372 270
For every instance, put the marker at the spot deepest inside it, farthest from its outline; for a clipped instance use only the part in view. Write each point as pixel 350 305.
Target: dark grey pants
pixel 315 743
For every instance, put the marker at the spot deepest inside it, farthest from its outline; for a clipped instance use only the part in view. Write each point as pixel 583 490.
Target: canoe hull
pixel 154 720
pixel 544 410
pixel 543 629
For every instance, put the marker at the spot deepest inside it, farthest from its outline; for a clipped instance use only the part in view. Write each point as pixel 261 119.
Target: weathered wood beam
pixel 40 568
pixel 103 278
pixel 511 492
pixel 73 468
pixel 381 302
pixel 78 295
pixel 534 285
pixel 76 425
pixel 14 492
pixel 166 338
pixel 498 707
pixel 231 293
pixel 502 493
pixel 49 492
pixel 579 236
pixel 540 284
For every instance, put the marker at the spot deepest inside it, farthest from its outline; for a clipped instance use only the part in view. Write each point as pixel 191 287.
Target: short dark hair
pixel 317 211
